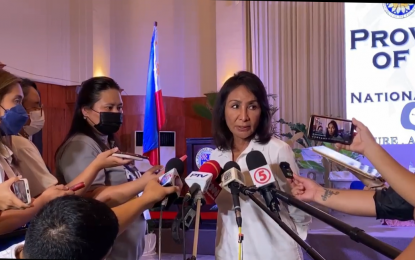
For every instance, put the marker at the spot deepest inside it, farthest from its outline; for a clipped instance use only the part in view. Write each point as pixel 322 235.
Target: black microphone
pixel 232 179
pixel 262 177
pixel 171 177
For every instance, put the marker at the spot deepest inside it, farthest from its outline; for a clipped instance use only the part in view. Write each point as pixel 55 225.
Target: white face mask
pixel 37 120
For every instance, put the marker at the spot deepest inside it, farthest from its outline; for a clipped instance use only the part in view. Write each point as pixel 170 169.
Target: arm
pixel 408 253
pixel 11 220
pixel 128 212
pixel 78 157
pixel 119 194
pixel 402 180
pixel 353 202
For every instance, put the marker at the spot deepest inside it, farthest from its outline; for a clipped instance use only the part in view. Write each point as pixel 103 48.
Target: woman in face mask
pixel 98 116
pixel 33 106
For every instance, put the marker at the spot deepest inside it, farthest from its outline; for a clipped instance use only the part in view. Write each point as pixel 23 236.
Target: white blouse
pixel 263 238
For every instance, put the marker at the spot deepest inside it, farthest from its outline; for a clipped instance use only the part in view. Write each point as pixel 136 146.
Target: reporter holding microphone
pixel 98 116
pixel 242 123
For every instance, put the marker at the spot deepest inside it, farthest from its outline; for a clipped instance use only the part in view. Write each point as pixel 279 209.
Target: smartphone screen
pixel 19 189
pixel 331 130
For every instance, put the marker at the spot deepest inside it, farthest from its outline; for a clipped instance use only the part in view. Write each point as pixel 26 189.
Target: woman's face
pixel 331 129
pixel 110 101
pixel 11 99
pixel 242 112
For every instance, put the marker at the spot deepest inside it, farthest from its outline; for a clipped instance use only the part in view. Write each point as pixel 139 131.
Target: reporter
pixel 7 198
pixel 98 116
pixel 72 227
pixel 402 180
pixel 382 204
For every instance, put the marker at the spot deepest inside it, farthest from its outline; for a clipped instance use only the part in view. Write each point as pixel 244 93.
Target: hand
pixel 304 189
pixel 54 192
pixel 151 173
pixel 154 192
pixel 106 160
pixel 361 141
pixel 7 198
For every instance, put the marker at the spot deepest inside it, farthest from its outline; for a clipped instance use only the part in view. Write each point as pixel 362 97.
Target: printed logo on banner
pixel 398 10
pixel 408 116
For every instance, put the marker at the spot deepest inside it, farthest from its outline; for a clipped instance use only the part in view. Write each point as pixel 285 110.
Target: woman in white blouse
pixel 242 123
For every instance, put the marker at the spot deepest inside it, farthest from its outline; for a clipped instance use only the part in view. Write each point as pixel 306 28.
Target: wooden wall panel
pixel 58 103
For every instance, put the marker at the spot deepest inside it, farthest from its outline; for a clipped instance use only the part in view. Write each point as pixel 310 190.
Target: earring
pixel 84 117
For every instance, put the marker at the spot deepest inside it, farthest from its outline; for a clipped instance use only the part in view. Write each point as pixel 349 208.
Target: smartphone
pixel 330 129
pixel 21 189
pixel 131 156
pixel 77 186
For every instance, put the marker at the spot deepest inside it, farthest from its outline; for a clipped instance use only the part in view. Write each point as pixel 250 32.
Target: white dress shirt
pixel 263 238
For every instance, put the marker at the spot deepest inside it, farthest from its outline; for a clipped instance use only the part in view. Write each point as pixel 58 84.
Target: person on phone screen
pixel 12 119
pixel 74 227
pixel 97 117
pixel 241 123
pixel 332 130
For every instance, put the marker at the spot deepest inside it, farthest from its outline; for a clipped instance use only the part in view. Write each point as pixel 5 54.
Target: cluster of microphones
pixel 206 184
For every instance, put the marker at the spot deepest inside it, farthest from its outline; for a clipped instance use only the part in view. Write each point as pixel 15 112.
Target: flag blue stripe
pixel 150 133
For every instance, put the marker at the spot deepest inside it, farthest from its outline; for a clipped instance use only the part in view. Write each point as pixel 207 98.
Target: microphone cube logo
pixel 227 176
pixel 165 179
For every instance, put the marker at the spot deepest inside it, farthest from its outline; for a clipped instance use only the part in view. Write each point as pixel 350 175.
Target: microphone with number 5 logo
pixel 262 178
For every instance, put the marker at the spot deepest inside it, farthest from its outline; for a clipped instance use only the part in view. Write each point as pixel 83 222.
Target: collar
pixel 6 153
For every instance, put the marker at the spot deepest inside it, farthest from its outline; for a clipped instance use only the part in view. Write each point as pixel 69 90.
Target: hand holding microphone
pixel 171 178
pixel 154 192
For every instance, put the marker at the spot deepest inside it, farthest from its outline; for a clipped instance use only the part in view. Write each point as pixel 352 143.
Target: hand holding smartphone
pixel 330 129
pixel 21 189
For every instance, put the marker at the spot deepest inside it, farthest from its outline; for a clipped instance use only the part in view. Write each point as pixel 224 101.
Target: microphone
pixel 174 168
pixel 232 179
pixel 202 179
pixel 199 182
pixel 262 178
pixel 286 170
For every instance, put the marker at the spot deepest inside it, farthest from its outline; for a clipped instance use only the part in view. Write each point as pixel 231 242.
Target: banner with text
pixel 380 69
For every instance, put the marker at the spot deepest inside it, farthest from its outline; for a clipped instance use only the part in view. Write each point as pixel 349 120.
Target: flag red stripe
pixel 161 117
pixel 153 156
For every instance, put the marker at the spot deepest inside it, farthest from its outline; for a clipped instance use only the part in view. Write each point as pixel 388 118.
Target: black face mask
pixel 109 122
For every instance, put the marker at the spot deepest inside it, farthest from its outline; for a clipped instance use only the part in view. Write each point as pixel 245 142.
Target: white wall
pixel 200 42
pixel 230 40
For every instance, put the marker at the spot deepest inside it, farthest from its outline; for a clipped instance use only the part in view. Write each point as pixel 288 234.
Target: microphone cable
pixel 163 205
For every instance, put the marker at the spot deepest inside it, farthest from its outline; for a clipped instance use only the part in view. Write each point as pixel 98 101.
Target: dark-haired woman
pixel 332 130
pixel 97 117
pixel 241 123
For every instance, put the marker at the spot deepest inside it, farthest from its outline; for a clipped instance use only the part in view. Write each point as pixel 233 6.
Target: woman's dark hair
pixel 336 129
pixel 222 136
pixel 89 94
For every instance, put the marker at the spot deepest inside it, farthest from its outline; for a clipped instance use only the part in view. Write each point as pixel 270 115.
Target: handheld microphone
pixel 262 178
pixel 286 170
pixel 232 179
pixel 174 168
pixel 203 178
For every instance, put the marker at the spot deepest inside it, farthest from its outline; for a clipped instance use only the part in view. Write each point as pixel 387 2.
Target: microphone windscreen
pixel 175 163
pixel 255 159
pixel 231 164
pixel 212 167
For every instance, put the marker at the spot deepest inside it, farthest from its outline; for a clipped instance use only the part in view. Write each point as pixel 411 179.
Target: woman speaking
pixel 242 123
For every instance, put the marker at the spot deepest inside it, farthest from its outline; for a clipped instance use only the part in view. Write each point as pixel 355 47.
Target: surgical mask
pixel 37 121
pixel 13 120
pixel 109 122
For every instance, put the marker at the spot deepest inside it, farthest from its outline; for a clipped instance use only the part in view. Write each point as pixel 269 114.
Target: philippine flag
pixel 154 117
